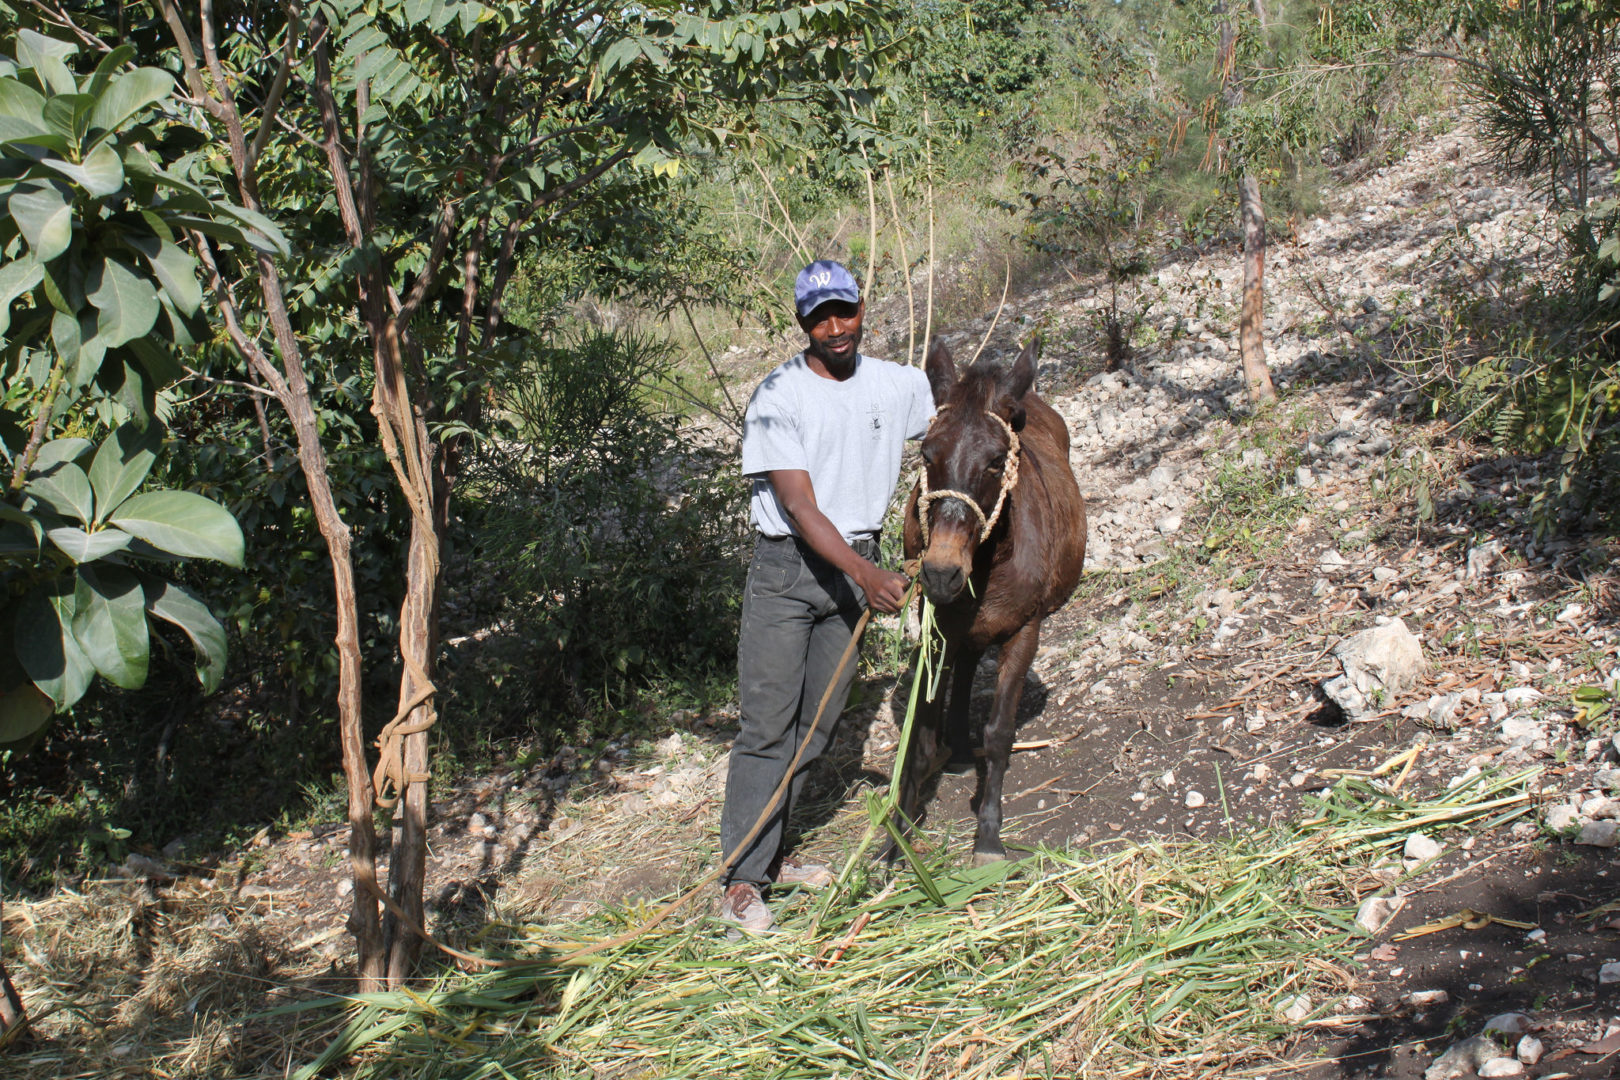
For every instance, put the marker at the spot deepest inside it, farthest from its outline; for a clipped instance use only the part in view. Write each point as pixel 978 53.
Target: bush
pixel 608 556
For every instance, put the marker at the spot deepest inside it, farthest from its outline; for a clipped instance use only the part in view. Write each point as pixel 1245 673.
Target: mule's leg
pixel 958 731
pixel 1016 655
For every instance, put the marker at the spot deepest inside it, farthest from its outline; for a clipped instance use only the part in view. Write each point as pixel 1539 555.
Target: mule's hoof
pixel 988 858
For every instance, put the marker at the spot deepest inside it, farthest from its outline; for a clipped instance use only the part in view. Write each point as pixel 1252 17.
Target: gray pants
pixel 797 617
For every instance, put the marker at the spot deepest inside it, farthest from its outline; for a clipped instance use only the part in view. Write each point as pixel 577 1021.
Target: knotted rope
pixel 1009 480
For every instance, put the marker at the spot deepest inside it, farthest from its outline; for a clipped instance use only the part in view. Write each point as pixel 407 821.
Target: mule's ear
pixel 941 371
pixel 1015 379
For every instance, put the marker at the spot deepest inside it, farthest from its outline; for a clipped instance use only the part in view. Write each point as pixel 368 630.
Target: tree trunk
pixel 407 866
pixel 1251 336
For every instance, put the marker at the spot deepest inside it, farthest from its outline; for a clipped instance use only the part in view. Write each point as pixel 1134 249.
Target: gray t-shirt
pixel 847 435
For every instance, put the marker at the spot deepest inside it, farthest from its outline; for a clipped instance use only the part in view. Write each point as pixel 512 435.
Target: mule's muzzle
pixel 942 581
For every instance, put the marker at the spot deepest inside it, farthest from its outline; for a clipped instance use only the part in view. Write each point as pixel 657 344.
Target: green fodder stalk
pixel 1130 962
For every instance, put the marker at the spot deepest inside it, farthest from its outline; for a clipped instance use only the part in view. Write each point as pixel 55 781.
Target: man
pixel 821 443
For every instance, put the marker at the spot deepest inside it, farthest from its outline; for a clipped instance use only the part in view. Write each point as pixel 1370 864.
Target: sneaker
pixel 742 904
pixel 811 875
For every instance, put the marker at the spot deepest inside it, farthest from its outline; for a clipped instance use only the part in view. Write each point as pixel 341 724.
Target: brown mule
pixel 1002 536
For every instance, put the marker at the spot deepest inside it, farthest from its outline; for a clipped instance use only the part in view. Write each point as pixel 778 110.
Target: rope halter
pixel 1009 480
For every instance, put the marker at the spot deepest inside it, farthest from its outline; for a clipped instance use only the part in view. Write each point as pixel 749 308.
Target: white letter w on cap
pixel 822 279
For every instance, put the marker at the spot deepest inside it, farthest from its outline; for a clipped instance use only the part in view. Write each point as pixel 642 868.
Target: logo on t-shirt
pixel 875 421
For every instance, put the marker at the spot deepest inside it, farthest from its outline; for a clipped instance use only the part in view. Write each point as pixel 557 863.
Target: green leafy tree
pixel 413 150
pixel 97 302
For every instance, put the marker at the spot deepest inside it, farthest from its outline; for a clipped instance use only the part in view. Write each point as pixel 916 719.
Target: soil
pixel 1179 694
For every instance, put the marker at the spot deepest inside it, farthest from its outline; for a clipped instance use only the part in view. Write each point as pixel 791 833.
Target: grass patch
pixel 1136 961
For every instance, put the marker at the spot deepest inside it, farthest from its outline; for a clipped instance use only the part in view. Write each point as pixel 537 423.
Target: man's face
pixel 835 331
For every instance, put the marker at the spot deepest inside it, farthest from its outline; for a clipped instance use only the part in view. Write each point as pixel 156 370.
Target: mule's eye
pixel 997 465
pixel 928 454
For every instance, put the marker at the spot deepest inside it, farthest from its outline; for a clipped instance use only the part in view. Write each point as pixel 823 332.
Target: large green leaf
pixel 47 649
pixel 109 622
pixel 121 464
pixel 16 278
pixel 101 173
pixel 175 270
pixel 65 489
pixel 24 710
pixel 22 104
pixel 182 523
pixel 45 56
pixel 44 213
pixel 59 450
pixel 174 604
pixel 83 547
pixel 127 302
pixel 127 95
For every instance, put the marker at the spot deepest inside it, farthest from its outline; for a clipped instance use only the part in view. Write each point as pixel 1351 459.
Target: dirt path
pixel 1178 695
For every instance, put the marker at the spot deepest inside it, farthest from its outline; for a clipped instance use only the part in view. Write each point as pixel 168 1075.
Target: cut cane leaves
pixel 121 464
pixel 182 523
pixel 44 214
pixel 127 302
pixel 47 649
pixel 173 604
pixel 109 623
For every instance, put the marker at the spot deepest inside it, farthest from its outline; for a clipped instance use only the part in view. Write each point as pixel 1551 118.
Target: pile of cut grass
pixel 1144 961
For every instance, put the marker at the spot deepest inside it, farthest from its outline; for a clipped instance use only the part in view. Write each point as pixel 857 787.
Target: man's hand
pixel 884 588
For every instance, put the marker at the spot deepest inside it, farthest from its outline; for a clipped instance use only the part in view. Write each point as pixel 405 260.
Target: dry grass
pixel 123 981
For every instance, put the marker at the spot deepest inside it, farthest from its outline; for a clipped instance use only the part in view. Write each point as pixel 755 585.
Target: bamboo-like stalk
pixel 871 226
pixel 905 264
pixel 928 150
pixel 797 236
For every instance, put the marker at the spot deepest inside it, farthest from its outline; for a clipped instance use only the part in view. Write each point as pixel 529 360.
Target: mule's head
pixel 966 451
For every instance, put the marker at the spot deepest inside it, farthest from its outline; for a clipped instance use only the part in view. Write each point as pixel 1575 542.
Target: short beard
pixel 818 349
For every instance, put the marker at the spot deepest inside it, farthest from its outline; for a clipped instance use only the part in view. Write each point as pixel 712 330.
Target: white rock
pixel 1604 834
pixel 1424 999
pixel 1512 1023
pixel 1194 800
pixel 1502 1066
pixel 1562 817
pixel 1521 695
pixel 1379 663
pixel 345 887
pixel 1608 974
pixel 1166 781
pixel 1606 779
pixel 1523 730
pixel 1530 1050
pixel 1383 574
pixel 1169 523
pixel 1376 911
pixel 1422 848
pixel 1294 1009
pixel 1463 1058
pixel 1331 560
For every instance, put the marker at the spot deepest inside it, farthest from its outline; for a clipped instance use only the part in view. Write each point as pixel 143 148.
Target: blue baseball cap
pixel 821 281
